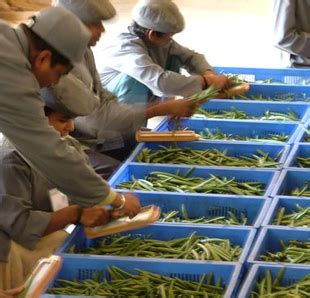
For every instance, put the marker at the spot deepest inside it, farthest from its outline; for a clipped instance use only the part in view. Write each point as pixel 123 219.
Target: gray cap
pixel 159 15
pixel 70 97
pixel 89 11
pixel 62 30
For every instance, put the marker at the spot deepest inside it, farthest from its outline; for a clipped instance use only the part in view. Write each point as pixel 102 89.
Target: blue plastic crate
pixel 299 150
pixel 253 208
pixel 297 93
pixel 269 240
pixel 242 128
pixel 283 202
pixel 84 268
pixel 289 76
pixel 258 271
pixel 242 236
pixel 233 149
pixel 302 134
pixel 258 109
pixel 267 177
pixel 289 180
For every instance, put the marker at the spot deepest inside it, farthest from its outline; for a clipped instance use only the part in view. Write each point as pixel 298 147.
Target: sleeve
pixel 18 219
pixel 287 35
pixel 23 122
pixel 192 61
pixel 133 59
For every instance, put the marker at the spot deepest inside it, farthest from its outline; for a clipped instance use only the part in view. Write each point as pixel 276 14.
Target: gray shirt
pixel 110 121
pixel 292 31
pixel 130 55
pixel 25 208
pixel 23 122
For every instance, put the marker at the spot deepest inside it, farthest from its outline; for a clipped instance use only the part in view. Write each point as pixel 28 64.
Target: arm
pixel 288 34
pixel 22 120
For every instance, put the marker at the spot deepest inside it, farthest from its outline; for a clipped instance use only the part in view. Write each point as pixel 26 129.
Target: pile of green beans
pixel 284 97
pixel 238 114
pixel 207 157
pixel 219 135
pixel 304 192
pixel 162 181
pixel 303 162
pixel 229 219
pixel 295 251
pixel 268 287
pixel 143 284
pixel 307 137
pixel 298 218
pixel 194 247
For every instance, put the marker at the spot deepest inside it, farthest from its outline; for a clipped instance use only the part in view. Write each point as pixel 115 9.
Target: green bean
pixel 208 157
pixel 219 135
pixel 303 162
pixel 181 248
pixel 234 113
pixel 296 252
pixel 266 287
pixel 163 181
pixel 144 284
pixel 229 219
pixel 298 218
pixel 303 192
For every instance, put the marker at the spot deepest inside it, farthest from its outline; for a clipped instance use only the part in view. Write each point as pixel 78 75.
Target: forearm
pixel 61 218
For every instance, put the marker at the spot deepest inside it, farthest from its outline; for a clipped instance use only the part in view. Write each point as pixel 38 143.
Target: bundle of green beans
pixel 234 113
pixel 298 218
pixel 207 157
pixel 268 287
pixel 295 251
pixel 307 137
pixel 193 247
pixel 229 219
pixel 303 162
pixel 304 192
pixel 219 135
pixel 283 97
pixel 162 181
pixel 143 284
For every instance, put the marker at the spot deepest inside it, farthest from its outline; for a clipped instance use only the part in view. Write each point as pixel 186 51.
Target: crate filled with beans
pixel 276 281
pixel 129 278
pixel 199 180
pixel 282 245
pixel 184 242
pixel 290 212
pixel 236 131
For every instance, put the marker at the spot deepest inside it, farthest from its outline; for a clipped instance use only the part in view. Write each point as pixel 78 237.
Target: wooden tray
pixel 167 136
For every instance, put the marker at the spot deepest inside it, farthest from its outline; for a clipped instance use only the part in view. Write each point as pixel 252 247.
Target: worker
pixel 145 62
pixel 12 293
pixel 292 31
pixel 31 57
pixel 111 127
pixel 28 199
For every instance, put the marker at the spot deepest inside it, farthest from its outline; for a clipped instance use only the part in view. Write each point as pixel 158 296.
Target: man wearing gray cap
pixel 31 202
pixel 145 62
pixel 111 127
pixel 36 56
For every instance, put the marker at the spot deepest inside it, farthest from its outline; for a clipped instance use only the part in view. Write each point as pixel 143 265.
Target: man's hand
pixel 94 216
pixel 219 81
pixel 11 293
pixel 131 206
pixel 180 107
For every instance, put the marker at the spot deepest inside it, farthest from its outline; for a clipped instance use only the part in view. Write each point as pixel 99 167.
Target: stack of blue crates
pixel 259 234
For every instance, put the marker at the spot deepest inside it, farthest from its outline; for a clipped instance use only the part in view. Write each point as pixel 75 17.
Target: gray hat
pixel 70 97
pixel 89 11
pixel 62 30
pixel 159 15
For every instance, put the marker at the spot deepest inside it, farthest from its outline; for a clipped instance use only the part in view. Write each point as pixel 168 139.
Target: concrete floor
pixel 228 32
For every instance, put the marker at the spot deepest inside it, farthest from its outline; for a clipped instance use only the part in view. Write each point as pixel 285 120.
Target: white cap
pixel 62 30
pixel 89 11
pixel 70 97
pixel 159 15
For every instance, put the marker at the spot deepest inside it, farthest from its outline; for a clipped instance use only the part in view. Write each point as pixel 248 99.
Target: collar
pixel 22 40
